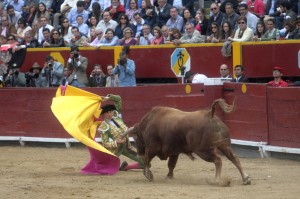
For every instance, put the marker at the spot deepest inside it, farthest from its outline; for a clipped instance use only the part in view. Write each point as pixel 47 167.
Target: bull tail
pixel 223 105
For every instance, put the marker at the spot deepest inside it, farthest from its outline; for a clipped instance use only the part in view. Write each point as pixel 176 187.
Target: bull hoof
pixel 148 174
pixel 247 180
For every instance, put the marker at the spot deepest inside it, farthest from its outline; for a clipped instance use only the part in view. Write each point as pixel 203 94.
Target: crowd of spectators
pixel 60 23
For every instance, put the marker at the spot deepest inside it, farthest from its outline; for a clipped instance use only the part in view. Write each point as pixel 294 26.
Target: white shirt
pixel 111 24
pixel 41 36
pixel 199 78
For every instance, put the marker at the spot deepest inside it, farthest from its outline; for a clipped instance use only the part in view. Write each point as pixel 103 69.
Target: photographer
pixel 15 78
pixel 78 64
pixel 53 71
pixel 33 77
pixel 125 70
pixel 97 77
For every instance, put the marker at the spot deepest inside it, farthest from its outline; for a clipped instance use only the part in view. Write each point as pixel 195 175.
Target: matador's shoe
pixel 123 166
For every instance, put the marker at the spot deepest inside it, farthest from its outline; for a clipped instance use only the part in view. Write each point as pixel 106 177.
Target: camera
pixel 76 55
pixel 50 65
pixel 31 75
pixel 121 62
pixel 15 72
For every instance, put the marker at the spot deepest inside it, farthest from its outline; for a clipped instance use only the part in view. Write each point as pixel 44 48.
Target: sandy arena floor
pixel 40 172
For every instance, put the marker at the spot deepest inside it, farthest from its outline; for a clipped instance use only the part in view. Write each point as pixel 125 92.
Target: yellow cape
pixel 76 111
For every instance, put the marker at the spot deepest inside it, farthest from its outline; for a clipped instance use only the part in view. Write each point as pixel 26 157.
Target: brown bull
pixel 167 132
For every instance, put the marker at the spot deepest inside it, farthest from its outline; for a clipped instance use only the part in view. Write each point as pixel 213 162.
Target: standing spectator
pixel 217 16
pixel 125 70
pixel 163 12
pixel 6 28
pixel 230 15
pixel 34 78
pixel 243 33
pixel 158 36
pixel 53 71
pixel 148 13
pixel 191 77
pixel 260 30
pixel 78 64
pixel 215 33
pixel 226 32
pixel 256 7
pixel 44 25
pixel 191 36
pixel 13 16
pixel 77 39
pixel 97 77
pixel 277 82
pixel 115 9
pixel 239 73
pixel 176 21
pixel 78 11
pixel 251 18
pixel 107 22
pixel 133 8
pixel 146 37
pixel 224 71
pixel 112 79
pixel 128 39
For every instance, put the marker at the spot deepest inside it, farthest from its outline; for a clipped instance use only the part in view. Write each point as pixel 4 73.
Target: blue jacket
pixel 126 76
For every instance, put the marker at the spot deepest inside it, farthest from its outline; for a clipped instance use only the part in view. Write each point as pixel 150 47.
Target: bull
pixel 166 132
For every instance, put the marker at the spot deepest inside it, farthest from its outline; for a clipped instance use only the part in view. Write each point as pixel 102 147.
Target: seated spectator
pixel 239 74
pixel 148 13
pixel 96 13
pixel 92 35
pixel 277 82
pixel 6 28
pixel 30 16
pixel 243 33
pixel 128 39
pixel 97 77
pixel 191 77
pixel 93 21
pixel 286 14
pixel 162 12
pixel 256 7
pixel 295 34
pixel 66 31
pixel 188 18
pixel 12 15
pixel 52 71
pixel 29 41
pixel 138 24
pixel 43 25
pixel 47 38
pixel 271 9
pixel 112 79
pixel 214 33
pixel 260 30
pixel 65 8
pixel 191 36
pixel 56 40
pixel 173 34
pixel 115 9
pixel 77 39
pixel 133 8
pixel 34 78
pixel 107 22
pixel 78 11
pixel 42 12
pixel 146 37
pixel 270 34
pixel 176 21
pixel 110 39
pixel 69 79
pixel 82 27
pixel 201 21
pixel 165 31
pixel 123 23
pixel 217 16
pixel 251 18
pixel 97 41
pixel 224 71
pixel 230 15
pixel 158 37
pixel 226 32
pixel 53 10
pixel 22 28
pixel 288 29
pixel 35 29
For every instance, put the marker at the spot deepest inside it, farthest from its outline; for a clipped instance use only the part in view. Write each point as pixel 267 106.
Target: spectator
pixel 138 24
pixel 158 37
pixel 66 31
pixel 288 29
pixel 35 29
pixel 191 77
pixel 239 74
pixel 251 18
pixel 216 16
pixel 260 30
pixel 230 15
pixel 52 71
pixel 44 25
pixel 78 64
pixel 47 3
pixel 67 79
pixel 271 8
pixel 34 78
pixel 286 14
pixel 12 15
pixel 176 21
pixel 29 41
pixel 78 11
pixel 115 9
pixel 162 12
pixel 277 82
pixel 191 36
pixel 133 8
pixel 123 23
pixel 93 21
pixel 97 41
pixel 17 4
pixel 128 39
pixel 42 12
pixel 181 5
pixel 65 8
pixel 201 21
pixel 148 13
pixel 15 78
pixel 165 31
pixel 112 129
pixel 270 34
pixel 109 38
pixel 30 16
pixel 215 33
pixel 97 77
pixel 112 79
pixel 82 27
pixel 173 34
pixel 125 70
pixel 6 28
pixel 56 39
pixel 243 33
pixel 107 22
pixel 47 38
pixel 256 7
pixel 96 12
pixel 22 28
pixel 146 37
pixel 295 34
pixel 224 71
pixel 226 32
pixel 55 11
pixel 187 17
pixel 77 39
